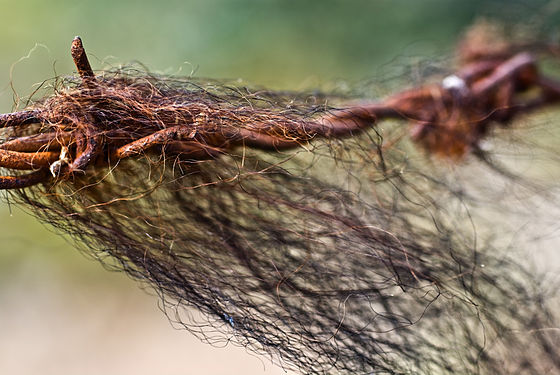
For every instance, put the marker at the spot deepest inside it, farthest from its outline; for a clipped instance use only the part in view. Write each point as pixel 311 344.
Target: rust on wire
pixel 80 59
pixel 449 118
pixel 224 199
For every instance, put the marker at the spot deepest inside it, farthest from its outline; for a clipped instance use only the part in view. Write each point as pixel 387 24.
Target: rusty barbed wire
pixel 449 119
pixel 297 229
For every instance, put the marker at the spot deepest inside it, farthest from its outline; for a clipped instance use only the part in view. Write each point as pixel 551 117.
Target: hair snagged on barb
pixel 299 231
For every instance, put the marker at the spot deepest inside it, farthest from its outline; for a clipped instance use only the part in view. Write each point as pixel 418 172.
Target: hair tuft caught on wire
pixel 304 231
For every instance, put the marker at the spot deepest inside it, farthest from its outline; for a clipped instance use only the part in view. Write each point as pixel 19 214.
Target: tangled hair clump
pixel 297 230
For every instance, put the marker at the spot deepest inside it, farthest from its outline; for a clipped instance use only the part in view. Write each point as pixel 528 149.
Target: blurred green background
pixel 62 313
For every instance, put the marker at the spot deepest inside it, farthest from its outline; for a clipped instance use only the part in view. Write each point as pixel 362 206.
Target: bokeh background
pixel 62 313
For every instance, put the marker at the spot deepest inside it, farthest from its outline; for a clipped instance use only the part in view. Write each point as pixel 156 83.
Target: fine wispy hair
pixel 298 226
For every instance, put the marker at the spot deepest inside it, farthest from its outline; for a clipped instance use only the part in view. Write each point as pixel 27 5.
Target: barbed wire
pixel 300 230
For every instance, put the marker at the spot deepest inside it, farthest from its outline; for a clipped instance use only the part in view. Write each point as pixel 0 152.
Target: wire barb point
pixel 81 60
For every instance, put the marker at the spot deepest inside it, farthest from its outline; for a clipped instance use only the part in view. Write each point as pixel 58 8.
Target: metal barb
pixel 81 60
